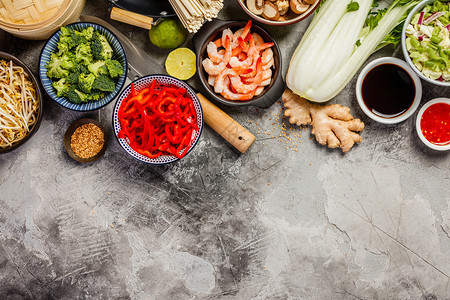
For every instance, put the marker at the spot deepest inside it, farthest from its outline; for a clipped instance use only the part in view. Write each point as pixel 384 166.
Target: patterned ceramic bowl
pixel 51 46
pixel 144 82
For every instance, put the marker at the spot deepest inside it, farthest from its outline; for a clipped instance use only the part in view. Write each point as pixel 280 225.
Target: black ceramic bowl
pixel 68 137
pixel 35 127
pixel 212 31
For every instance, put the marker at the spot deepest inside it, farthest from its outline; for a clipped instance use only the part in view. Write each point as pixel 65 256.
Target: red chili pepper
pixel 133 91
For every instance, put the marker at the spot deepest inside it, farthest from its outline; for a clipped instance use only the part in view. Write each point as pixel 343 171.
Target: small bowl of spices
pixel 388 90
pixel 433 124
pixel 85 140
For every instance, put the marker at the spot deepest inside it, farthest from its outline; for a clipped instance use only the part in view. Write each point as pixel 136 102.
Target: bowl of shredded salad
pixel 158 119
pixel 426 41
pixel 20 103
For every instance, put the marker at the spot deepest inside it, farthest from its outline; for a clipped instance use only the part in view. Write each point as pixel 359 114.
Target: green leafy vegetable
pixel 338 42
pixel 352 6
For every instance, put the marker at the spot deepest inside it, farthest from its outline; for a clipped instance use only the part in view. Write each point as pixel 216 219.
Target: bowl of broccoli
pixel 83 66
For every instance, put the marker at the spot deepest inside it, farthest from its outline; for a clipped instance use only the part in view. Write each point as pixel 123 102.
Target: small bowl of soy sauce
pixel 388 90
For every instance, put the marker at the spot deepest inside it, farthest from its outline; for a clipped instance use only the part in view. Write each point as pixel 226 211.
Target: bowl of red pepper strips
pixel 158 119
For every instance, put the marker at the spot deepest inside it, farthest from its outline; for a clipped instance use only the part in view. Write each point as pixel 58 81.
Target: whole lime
pixel 168 34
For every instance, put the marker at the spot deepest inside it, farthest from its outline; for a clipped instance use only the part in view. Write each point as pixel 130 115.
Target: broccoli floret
pixel 73 77
pixel 95 96
pixel 104 83
pixel 101 49
pixel 85 82
pixel 54 67
pixel 83 54
pixel 76 96
pixel 63 47
pixel 61 86
pixel 83 69
pixel 68 61
pixel 114 68
pixel 88 33
pixel 71 38
pixel 66 31
pixel 98 68
pixel 66 39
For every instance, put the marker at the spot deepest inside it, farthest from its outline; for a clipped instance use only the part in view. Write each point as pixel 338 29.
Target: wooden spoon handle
pixel 226 126
pixel 131 18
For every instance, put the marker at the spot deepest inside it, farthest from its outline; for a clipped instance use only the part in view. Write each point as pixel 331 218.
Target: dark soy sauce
pixel 388 90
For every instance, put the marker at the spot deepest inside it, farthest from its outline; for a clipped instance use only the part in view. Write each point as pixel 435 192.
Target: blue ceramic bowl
pixel 51 46
pixel 144 82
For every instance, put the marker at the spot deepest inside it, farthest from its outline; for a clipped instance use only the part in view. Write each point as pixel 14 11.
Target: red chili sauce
pixel 435 124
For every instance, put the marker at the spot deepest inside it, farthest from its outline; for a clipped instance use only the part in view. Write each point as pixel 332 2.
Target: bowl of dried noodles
pixel 20 103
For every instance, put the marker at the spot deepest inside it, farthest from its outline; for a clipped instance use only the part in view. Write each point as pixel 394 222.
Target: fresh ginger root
pixel 331 124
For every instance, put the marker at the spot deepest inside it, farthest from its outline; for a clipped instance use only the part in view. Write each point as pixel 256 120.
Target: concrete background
pixel 269 224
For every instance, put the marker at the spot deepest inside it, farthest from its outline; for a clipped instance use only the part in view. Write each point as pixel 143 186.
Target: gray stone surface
pixel 269 224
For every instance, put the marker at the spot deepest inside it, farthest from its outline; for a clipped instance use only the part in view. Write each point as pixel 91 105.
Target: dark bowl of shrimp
pixel 239 63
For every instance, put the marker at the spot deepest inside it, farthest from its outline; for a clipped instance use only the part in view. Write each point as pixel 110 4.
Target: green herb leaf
pixel 352 6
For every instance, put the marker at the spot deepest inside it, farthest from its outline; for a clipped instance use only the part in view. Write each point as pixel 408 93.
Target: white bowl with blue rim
pixel 144 82
pixel 51 46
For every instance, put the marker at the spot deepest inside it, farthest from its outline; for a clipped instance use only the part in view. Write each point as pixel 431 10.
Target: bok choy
pixel 338 41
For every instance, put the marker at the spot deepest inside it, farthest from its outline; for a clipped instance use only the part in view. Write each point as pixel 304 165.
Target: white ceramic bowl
pixel 402 64
pixel 419 129
pixel 416 9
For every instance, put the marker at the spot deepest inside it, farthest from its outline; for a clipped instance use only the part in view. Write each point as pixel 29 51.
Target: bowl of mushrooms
pixel 279 12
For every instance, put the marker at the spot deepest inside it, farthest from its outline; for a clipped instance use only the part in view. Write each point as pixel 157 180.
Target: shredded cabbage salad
pixel 428 41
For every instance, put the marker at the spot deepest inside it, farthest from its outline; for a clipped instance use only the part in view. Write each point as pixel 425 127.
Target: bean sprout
pixel 19 105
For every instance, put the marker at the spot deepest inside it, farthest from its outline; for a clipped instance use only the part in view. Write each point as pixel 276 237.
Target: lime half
pixel 180 63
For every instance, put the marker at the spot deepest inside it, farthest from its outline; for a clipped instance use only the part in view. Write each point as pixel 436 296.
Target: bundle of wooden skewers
pixel 193 13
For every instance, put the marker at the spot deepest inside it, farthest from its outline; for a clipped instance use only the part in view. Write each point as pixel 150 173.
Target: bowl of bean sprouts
pixel 20 103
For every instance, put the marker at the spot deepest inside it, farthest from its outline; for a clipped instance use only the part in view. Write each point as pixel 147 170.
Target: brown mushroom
pixel 309 1
pixel 270 11
pixel 298 7
pixel 283 6
pixel 256 6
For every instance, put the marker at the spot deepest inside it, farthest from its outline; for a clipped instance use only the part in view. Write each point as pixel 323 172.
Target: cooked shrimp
pixel 247 72
pixel 251 55
pixel 228 94
pixel 227 33
pixel 266 56
pixel 222 80
pixel 264 46
pixel 213 54
pixel 268 65
pixel 241 56
pixel 244 88
pixel 266 74
pixel 258 39
pixel 212 79
pixel 218 42
pixel 214 69
pixel 246 29
pixel 266 82
pixel 259 90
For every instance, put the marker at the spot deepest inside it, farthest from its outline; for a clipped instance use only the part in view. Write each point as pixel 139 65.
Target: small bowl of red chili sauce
pixel 433 124
pixel 388 90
